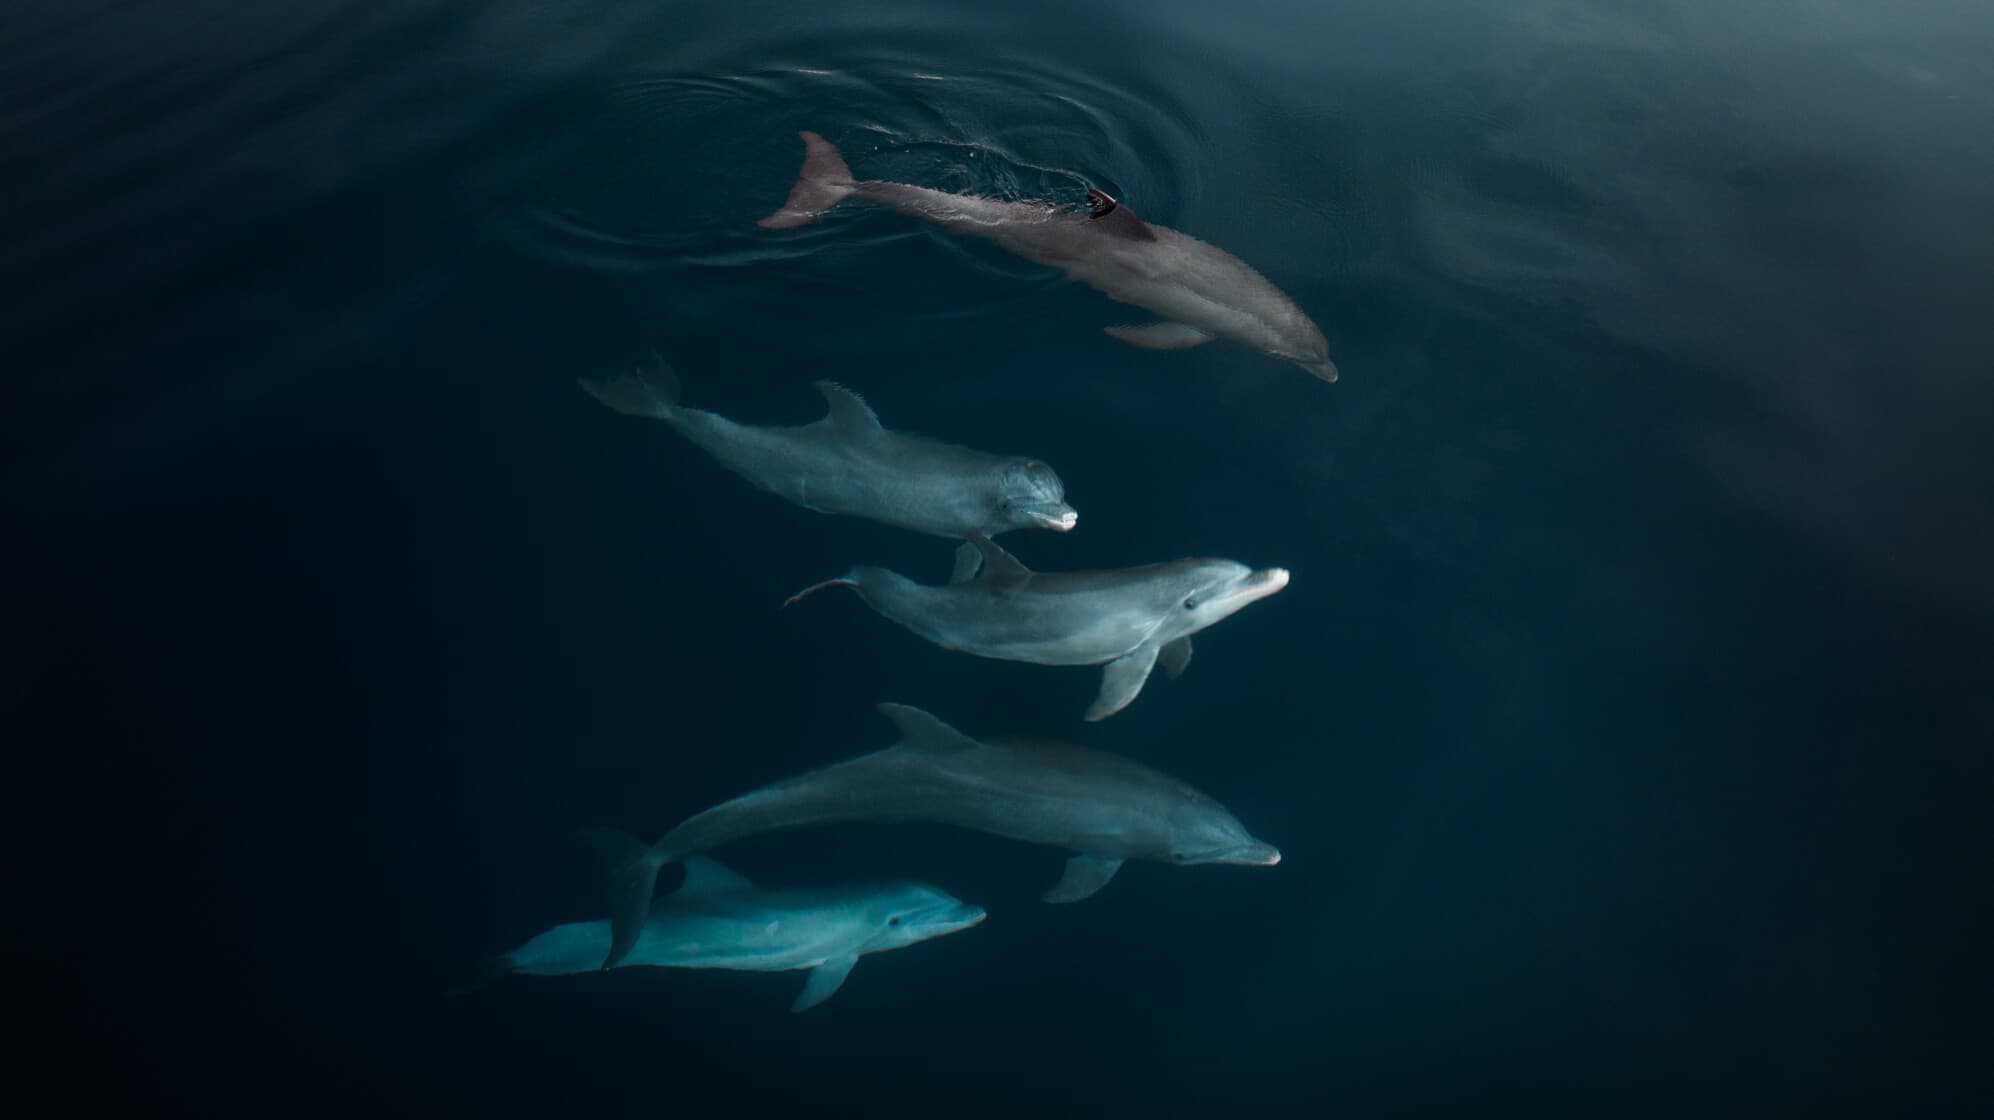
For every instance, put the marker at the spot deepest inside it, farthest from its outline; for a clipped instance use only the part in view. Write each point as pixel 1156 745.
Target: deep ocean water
pixel 1625 729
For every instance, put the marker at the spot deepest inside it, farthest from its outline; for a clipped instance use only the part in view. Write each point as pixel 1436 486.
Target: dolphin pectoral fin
pixel 1084 875
pixel 968 562
pixel 1122 680
pixel 1161 336
pixel 1175 657
pixel 849 412
pixel 825 979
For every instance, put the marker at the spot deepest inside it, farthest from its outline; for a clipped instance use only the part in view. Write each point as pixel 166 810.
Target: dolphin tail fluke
pixel 631 872
pixel 647 392
pixel 824 182
pixel 481 974
pixel 841 581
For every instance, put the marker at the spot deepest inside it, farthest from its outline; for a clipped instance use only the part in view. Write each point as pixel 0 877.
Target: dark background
pixel 1626 727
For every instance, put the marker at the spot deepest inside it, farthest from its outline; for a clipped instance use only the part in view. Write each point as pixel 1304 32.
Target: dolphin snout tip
pixel 1061 522
pixel 1274 578
pixel 1256 853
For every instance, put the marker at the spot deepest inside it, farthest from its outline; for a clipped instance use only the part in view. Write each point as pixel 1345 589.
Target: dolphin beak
pixel 1062 521
pixel 1268 580
pixel 1257 854
pixel 1324 369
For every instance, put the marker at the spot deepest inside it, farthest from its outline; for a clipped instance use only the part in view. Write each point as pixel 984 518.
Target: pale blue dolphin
pixel 718 919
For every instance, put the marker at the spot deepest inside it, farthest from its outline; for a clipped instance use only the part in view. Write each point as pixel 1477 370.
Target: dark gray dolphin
pixel 1128 619
pixel 1102 806
pixel 848 463
pixel 1201 292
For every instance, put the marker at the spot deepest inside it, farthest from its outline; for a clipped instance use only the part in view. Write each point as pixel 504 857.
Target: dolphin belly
pixel 762 939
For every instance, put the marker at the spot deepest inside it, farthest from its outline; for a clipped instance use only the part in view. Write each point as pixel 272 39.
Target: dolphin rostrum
pixel 718 919
pixel 847 463
pixel 1102 806
pixel 1128 619
pixel 1201 292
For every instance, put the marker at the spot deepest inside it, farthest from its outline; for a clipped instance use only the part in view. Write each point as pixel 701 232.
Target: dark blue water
pixel 1626 727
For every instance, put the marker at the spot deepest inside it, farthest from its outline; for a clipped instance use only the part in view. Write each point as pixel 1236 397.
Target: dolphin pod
pixel 1101 808
pixel 1200 291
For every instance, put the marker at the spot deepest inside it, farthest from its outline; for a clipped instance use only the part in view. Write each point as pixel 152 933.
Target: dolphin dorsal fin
pixel 706 875
pixel 848 410
pixel 922 731
pixel 1000 568
pixel 1102 207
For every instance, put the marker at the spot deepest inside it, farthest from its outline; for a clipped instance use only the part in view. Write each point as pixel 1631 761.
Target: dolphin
pixel 1128 619
pixel 1102 806
pixel 718 919
pixel 1200 291
pixel 848 463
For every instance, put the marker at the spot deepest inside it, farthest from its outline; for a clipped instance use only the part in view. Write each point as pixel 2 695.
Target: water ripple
pixel 669 171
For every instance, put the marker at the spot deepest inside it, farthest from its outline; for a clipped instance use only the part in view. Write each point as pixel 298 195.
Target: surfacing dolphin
pixel 1102 806
pixel 848 463
pixel 718 919
pixel 1201 292
pixel 1128 619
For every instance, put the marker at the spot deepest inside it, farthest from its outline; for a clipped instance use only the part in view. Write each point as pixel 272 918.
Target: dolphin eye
pixel 1191 604
pixel 894 920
